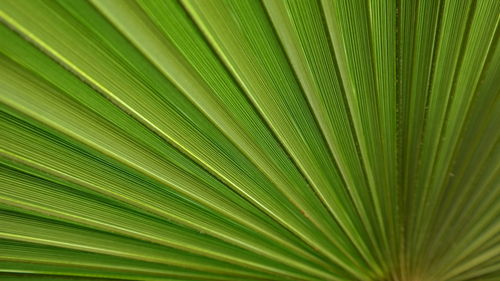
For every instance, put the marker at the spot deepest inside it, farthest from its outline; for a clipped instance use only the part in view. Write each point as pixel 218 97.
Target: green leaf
pixel 249 140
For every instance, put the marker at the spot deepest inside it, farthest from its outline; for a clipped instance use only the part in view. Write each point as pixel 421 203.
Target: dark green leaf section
pixel 249 140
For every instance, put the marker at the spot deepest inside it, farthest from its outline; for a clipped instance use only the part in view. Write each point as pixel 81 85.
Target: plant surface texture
pixel 240 140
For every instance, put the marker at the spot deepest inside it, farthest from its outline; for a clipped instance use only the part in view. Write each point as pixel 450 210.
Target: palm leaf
pixel 249 140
